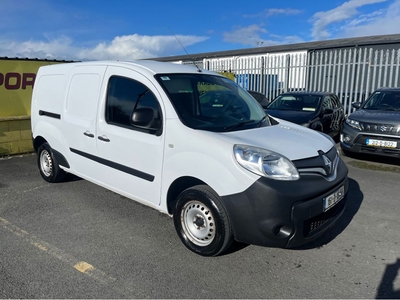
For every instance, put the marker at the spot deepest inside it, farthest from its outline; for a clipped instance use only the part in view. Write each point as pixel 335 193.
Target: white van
pixel 192 144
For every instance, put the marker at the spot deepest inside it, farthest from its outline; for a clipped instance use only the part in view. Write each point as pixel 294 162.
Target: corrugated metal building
pixel 351 68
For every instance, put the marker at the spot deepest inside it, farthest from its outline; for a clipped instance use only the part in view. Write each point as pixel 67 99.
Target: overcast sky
pixel 132 29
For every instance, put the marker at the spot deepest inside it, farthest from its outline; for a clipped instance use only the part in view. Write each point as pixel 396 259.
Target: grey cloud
pixel 252 36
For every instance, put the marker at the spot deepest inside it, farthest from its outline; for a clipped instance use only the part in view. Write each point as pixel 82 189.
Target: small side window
pixel 335 102
pixel 326 104
pixel 124 96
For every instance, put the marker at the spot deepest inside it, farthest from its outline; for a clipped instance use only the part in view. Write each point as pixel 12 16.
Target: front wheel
pixel 202 222
pixel 48 165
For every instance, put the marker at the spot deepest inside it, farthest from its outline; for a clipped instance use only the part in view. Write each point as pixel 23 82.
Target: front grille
pixel 316 222
pixel 317 165
pixel 380 128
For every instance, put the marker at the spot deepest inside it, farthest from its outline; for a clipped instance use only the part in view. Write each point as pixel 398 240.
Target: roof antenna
pixel 198 69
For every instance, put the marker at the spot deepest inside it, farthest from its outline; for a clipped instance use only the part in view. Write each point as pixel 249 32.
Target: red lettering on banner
pixel 15 81
pixel 28 79
pixel 16 85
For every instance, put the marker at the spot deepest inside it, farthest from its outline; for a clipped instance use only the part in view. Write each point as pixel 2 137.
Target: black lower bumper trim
pixel 285 216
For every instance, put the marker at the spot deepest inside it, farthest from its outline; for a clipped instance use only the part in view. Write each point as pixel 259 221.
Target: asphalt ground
pixel 78 240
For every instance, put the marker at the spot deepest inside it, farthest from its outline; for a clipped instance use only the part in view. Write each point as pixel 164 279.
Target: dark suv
pixel 374 127
pixel 316 110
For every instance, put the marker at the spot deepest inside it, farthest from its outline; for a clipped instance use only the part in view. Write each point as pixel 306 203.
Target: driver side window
pixel 125 95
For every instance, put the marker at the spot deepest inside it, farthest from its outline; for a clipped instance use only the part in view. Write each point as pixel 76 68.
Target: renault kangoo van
pixel 192 144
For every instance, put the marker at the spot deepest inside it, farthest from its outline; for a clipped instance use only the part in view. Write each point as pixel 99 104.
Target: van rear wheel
pixel 202 222
pixel 48 166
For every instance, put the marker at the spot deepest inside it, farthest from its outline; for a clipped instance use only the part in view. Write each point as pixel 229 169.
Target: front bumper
pixel 353 140
pixel 285 214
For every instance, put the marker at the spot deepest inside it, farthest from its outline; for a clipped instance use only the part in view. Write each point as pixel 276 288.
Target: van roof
pixel 154 67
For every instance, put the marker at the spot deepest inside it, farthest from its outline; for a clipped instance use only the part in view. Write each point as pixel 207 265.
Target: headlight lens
pixel 265 163
pixel 353 123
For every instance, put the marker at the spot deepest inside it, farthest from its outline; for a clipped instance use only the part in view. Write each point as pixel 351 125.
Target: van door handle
pixel 103 138
pixel 87 133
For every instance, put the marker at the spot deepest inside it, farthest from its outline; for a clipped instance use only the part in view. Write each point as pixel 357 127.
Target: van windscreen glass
pixel 211 102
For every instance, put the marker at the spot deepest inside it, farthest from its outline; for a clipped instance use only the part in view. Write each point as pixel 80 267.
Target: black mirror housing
pixel 143 117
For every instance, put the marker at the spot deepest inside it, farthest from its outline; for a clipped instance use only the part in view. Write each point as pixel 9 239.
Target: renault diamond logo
pixel 328 164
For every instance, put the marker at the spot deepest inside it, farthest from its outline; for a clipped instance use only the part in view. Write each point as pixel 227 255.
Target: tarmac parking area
pixel 77 240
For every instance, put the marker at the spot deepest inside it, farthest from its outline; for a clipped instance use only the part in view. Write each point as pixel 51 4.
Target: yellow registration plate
pixel 381 143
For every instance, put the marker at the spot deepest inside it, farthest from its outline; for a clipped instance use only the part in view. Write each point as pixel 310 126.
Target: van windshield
pixel 211 102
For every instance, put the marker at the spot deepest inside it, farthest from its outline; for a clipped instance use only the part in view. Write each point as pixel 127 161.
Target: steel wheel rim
pixel 46 163
pixel 198 223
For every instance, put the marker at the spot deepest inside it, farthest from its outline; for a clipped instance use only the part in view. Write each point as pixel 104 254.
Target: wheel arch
pixel 37 142
pixel 177 187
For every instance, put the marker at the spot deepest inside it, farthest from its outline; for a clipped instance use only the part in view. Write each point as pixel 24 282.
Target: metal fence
pixel 353 74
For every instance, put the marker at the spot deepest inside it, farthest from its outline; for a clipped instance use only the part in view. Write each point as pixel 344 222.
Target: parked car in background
pixel 260 97
pixel 316 110
pixel 374 127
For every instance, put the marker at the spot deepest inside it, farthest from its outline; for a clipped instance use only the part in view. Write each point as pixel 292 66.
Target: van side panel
pixel 46 107
pixel 83 94
pixel 204 156
pixel 48 96
pixel 79 117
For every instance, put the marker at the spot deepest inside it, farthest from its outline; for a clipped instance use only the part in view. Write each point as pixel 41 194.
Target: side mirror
pixel 143 117
pixel 356 105
pixel 328 111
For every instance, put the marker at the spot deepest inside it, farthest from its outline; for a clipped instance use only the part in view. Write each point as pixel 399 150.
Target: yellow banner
pixel 230 75
pixel 17 78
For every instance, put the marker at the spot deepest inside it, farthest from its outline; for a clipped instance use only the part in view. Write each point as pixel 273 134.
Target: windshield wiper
pixel 238 125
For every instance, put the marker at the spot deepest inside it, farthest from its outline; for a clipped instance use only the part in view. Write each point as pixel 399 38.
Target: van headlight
pixel 265 163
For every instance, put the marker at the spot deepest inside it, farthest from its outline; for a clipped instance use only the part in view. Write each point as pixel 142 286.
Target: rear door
pixel 131 158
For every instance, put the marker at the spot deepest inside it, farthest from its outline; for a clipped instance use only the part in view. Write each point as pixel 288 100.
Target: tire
pixel 202 222
pixel 48 166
